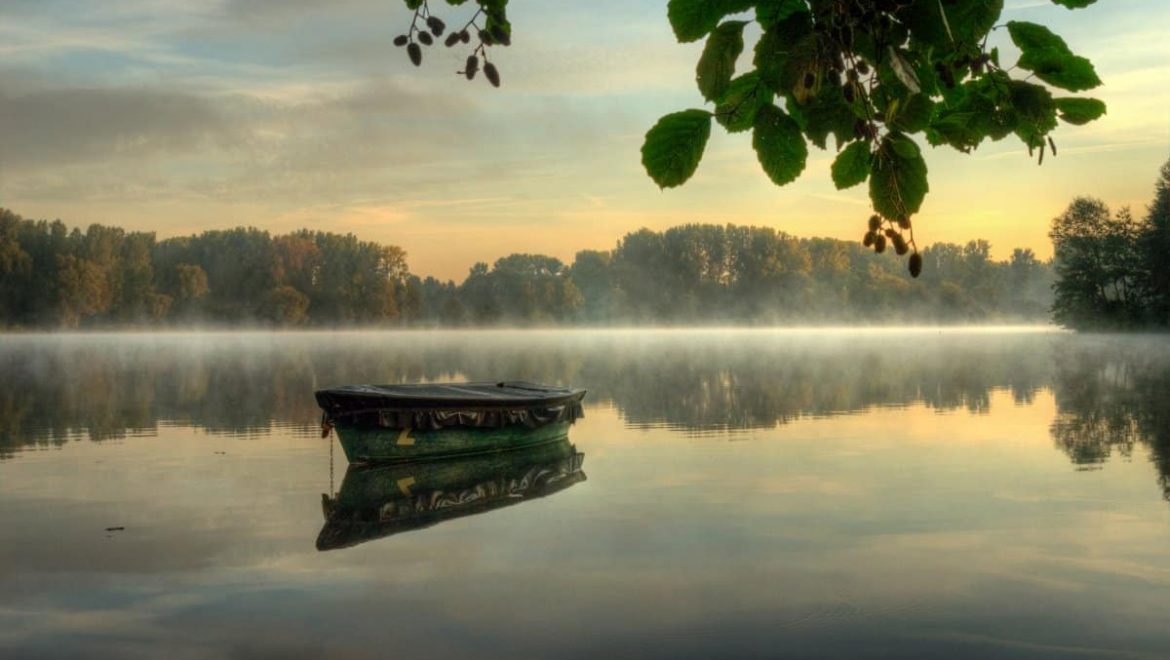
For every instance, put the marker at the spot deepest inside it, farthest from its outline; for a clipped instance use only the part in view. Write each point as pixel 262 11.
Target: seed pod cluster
pixel 495 30
pixel 461 36
pixel 417 35
pixel 884 233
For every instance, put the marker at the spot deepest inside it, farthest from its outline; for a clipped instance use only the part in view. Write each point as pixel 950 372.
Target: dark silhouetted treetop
pixel 1112 269
pixel 876 76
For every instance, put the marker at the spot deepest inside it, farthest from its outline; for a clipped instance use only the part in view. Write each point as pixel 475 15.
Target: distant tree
pixel 478 297
pixel 1099 276
pixel 410 299
pixel 592 273
pixel 357 281
pixel 1155 249
pixel 527 288
pixel 440 303
pixel 192 282
pixel 287 306
pixel 297 261
pixel 639 272
pixel 15 267
pixel 1029 283
pixel 182 286
pixel 83 290
pixel 137 297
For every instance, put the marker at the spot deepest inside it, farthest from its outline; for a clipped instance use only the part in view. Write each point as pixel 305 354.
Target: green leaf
pixel 1079 111
pixel 897 182
pixel 693 19
pixel 779 145
pixel 823 115
pixel 1071 72
pixel 851 166
pixel 1035 111
pixel 674 146
pixel 736 111
pixel 968 21
pixel 964 120
pixel 1048 56
pixel 1030 37
pixel 913 114
pixel 769 12
pixel 789 39
pixel 717 63
pixel 1074 4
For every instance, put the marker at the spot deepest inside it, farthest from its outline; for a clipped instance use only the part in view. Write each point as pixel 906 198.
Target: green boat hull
pixel 367 444
pixel 376 501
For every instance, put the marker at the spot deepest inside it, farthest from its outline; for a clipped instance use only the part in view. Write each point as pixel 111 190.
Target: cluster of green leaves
pixel 870 74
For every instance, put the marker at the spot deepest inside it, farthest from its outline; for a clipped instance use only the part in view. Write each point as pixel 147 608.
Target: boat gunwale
pixel 330 399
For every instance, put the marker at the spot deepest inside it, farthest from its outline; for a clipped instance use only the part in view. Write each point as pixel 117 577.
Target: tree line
pixel 54 276
pixel 1112 269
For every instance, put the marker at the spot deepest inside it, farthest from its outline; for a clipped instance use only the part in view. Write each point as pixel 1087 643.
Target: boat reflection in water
pixel 376 501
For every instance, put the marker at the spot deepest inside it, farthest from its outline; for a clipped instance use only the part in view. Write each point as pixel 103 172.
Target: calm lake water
pixel 894 493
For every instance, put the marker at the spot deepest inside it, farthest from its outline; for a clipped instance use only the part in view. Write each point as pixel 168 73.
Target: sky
pixel 179 116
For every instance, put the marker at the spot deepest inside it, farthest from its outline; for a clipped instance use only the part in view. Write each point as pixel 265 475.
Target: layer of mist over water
pixel 909 492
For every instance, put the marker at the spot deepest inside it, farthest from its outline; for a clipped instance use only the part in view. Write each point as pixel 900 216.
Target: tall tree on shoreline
pixel 1099 283
pixel 1155 248
pixel 1113 270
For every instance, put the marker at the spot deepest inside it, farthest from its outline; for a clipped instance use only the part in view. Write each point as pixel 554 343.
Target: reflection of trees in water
pixel 106 387
pixel 764 382
pixel 1112 395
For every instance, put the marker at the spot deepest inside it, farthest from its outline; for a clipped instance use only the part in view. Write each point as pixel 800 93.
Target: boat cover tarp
pixel 436 406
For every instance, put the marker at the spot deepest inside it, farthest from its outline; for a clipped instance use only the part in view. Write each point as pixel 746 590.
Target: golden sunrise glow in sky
pixel 179 116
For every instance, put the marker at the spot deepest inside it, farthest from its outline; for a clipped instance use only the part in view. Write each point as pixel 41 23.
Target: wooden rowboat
pixel 393 423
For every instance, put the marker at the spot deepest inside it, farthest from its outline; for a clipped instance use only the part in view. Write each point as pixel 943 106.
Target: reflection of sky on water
pixel 907 529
